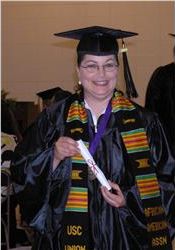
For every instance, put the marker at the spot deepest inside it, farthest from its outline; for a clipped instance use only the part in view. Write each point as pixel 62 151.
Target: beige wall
pixel 33 59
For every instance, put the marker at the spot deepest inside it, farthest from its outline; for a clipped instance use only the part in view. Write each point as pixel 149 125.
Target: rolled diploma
pixel 93 166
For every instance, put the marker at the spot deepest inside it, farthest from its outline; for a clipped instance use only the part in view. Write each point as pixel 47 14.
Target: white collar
pixel 94 117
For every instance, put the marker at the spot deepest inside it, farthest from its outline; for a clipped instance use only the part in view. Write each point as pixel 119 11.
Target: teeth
pixel 101 82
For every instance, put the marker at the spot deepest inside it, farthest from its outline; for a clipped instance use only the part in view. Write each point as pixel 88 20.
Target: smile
pixel 100 83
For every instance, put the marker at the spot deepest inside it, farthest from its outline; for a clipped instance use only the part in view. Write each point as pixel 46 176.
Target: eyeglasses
pixel 94 68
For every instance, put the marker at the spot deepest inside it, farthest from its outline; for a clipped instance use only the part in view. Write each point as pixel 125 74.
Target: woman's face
pixel 98 75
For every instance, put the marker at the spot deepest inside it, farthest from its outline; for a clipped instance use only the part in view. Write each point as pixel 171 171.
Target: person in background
pixel 10 137
pixel 9 124
pixel 52 95
pixel 61 197
pixel 160 97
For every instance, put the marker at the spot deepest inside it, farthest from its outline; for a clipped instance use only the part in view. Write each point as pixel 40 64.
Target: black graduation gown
pixel 42 193
pixel 160 98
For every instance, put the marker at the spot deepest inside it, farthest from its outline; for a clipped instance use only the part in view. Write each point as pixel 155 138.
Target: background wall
pixel 34 60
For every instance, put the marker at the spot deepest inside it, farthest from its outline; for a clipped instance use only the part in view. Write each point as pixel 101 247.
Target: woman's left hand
pixel 115 198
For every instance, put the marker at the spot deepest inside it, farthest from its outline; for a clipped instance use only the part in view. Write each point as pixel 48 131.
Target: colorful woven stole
pixel 134 137
pixel 75 222
pixel 75 219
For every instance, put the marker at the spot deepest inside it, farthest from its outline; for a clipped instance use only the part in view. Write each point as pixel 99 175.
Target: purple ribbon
pixel 100 130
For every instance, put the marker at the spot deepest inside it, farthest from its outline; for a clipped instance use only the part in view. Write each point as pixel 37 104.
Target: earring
pixel 79 82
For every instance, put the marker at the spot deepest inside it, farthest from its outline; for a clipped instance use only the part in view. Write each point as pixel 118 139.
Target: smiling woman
pixel 61 199
pixel 98 76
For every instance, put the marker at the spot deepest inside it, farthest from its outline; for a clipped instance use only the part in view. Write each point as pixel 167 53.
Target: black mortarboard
pixel 48 93
pixel 52 95
pixel 97 40
pixel 61 94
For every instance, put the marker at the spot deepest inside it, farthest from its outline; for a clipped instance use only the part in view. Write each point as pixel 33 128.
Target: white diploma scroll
pixel 92 165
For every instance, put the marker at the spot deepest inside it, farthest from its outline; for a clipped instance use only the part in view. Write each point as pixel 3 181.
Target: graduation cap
pixel 97 40
pixel 61 94
pixel 52 95
pixel 48 93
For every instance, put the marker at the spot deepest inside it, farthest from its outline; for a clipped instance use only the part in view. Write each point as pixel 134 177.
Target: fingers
pixel 65 147
pixel 115 198
pixel 115 187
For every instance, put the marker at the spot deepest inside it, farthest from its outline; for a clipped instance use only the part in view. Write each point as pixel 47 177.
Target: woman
pixel 62 199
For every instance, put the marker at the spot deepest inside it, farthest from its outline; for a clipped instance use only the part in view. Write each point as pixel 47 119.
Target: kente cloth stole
pixel 75 218
pixel 75 223
pixel 135 140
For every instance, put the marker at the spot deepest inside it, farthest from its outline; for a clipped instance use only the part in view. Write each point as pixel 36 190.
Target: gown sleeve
pixel 34 182
pixel 132 215
pixel 164 163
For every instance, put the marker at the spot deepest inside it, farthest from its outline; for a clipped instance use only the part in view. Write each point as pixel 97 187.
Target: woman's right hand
pixel 64 147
